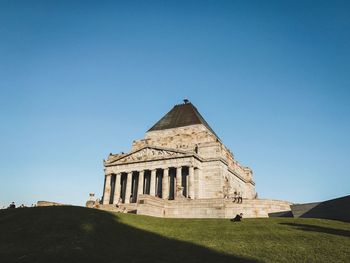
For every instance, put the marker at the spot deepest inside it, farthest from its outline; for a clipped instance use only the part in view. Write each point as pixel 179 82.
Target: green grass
pixel 75 234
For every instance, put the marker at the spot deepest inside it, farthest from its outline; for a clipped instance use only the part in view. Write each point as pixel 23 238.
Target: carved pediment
pixel 146 154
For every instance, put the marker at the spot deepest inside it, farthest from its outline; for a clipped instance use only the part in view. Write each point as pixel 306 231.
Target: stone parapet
pixel 208 208
pixel 48 203
pixel 121 208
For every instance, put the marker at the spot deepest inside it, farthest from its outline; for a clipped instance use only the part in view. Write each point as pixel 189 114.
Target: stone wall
pixel 48 203
pixel 208 208
pixel 193 138
pixel 210 183
pixel 218 162
pixel 182 138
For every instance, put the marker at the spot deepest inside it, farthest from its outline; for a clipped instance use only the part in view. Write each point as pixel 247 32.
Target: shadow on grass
pixel 74 234
pixel 319 229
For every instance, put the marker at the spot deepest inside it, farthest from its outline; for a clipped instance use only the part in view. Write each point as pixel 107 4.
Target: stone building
pixel 180 169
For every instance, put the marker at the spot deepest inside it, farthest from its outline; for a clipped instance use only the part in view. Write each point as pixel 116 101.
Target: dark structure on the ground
pixel 336 209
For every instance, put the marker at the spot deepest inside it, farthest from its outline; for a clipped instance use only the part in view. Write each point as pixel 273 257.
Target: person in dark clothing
pixel 238 218
pixel 12 205
pixel 235 197
pixel 239 197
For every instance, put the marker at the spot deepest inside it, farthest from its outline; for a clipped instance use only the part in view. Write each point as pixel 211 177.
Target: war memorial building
pixel 182 169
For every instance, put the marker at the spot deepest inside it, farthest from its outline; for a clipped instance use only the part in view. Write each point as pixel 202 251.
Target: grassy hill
pixel 76 234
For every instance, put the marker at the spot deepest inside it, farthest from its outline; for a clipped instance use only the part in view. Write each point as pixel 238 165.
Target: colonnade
pixel 167 183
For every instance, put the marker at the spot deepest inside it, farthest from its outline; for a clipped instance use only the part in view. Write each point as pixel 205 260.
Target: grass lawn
pixel 76 234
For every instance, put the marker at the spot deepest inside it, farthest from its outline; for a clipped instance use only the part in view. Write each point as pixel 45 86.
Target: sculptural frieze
pixel 147 154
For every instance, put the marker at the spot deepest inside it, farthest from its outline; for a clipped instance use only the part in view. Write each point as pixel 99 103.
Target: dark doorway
pixel 147 182
pixel 134 186
pixel 111 196
pixel 123 179
pixel 185 172
pixel 159 180
pixel 172 174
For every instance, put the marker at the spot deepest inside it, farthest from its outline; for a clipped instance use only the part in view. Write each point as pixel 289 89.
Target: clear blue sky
pixel 81 79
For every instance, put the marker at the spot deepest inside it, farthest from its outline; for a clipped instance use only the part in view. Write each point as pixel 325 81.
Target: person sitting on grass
pixel 238 218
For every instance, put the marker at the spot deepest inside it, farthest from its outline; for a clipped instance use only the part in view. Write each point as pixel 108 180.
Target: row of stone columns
pixel 140 185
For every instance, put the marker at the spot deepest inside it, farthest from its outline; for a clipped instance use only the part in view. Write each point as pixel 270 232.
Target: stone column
pixel 107 190
pixel 190 190
pixel 117 188
pixel 178 187
pixel 197 178
pixel 152 191
pixel 165 186
pixel 140 184
pixel 128 188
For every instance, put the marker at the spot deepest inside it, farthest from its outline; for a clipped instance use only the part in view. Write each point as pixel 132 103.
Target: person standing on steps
pixel 240 198
pixel 235 197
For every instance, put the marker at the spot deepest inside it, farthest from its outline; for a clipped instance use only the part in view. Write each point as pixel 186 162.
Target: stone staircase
pixel 208 208
pixel 199 208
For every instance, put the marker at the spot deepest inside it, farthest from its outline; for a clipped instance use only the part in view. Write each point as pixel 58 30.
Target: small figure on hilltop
pixel 90 203
pixel 238 218
pixel 12 205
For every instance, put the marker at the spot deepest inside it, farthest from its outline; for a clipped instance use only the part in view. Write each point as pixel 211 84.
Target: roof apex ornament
pixel 186 101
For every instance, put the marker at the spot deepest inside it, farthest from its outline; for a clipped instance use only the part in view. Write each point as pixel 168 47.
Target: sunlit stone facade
pixel 177 162
pixel 180 161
